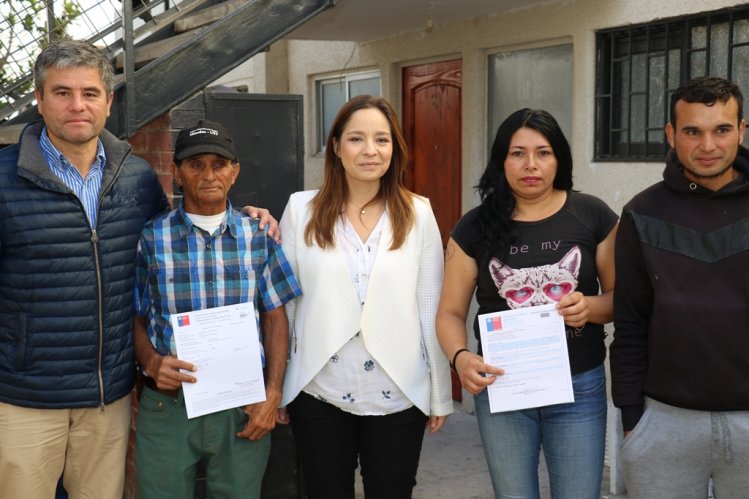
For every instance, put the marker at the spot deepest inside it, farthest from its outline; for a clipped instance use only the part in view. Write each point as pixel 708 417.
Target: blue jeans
pixel 573 438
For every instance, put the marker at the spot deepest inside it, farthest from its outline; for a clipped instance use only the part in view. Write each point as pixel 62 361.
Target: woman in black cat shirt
pixel 533 240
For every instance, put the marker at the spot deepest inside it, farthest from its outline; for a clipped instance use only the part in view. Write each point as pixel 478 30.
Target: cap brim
pixel 205 149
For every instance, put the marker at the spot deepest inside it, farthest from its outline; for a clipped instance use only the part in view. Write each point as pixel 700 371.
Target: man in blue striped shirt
pixel 73 201
pixel 204 255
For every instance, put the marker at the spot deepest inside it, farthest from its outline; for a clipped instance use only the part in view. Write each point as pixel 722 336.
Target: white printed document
pixel 223 343
pixel 530 344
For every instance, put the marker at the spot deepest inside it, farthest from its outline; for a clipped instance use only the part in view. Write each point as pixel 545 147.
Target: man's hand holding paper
pixel 222 342
pixel 169 372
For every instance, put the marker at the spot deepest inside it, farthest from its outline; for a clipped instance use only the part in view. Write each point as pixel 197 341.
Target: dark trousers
pixel 330 440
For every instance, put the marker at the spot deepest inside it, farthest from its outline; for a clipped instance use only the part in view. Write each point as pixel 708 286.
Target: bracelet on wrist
pixel 455 357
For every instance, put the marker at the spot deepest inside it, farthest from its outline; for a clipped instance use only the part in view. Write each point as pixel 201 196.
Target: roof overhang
pixel 369 20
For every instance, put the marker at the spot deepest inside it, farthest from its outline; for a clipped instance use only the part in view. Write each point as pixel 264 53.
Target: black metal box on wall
pixel 269 134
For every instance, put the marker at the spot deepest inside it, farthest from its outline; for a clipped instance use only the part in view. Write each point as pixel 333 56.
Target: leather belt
pixel 151 383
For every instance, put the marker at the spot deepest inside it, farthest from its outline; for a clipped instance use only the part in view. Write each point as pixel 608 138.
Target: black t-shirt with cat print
pixel 549 258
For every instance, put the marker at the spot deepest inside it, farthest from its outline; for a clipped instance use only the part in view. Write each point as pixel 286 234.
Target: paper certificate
pixel 530 344
pixel 223 343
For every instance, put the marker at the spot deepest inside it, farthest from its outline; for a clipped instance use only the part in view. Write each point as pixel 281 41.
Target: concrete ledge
pixel 9 134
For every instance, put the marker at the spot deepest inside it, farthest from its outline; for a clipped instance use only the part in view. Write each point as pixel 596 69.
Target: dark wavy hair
pixel 497 200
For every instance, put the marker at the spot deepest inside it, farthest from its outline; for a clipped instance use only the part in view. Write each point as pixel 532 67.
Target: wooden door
pixel 432 128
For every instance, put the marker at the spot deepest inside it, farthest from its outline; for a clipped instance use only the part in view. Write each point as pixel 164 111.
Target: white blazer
pixel 397 321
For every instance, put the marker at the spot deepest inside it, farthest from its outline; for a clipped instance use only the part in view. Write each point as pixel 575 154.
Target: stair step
pixel 207 16
pixel 185 26
pixel 175 13
pixel 154 50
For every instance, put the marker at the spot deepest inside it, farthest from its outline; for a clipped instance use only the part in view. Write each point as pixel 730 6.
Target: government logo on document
pixel 183 320
pixel 494 324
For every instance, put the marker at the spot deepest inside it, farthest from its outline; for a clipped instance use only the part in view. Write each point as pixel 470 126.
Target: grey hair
pixel 66 53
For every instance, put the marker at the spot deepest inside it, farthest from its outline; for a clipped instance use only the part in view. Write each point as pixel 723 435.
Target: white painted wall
pixel 250 74
pixel 559 22
pixel 265 73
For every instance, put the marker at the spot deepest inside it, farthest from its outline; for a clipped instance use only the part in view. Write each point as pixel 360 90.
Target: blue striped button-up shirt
pixel 181 268
pixel 86 189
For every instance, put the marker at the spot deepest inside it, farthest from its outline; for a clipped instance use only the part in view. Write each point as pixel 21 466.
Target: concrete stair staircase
pixel 184 49
pixel 185 24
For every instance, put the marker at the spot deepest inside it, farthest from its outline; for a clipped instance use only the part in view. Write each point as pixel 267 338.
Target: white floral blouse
pixel 352 380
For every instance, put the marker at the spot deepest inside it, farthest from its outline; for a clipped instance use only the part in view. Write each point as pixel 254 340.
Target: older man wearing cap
pixel 204 255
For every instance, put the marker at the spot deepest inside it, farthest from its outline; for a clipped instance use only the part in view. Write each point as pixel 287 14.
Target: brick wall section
pixel 152 142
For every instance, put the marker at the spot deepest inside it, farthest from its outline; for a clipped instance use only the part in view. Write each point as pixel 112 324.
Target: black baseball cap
pixel 205 137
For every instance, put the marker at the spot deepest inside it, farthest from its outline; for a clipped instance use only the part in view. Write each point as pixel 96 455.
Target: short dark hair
pixel 497 200
pixel 707 90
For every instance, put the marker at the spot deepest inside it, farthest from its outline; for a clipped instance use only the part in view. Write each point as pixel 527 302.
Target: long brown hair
pixel 329 202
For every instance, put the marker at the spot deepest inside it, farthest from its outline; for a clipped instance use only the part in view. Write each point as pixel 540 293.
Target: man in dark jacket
pixel 73 201
pixel 679 363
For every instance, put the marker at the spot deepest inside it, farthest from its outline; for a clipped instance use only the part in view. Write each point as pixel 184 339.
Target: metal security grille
pixel 639 66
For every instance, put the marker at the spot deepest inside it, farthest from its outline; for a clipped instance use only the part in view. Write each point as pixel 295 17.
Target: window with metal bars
pixel 638 67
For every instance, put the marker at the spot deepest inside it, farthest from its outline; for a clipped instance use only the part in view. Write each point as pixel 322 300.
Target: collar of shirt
pixel 230 221
pixel 60 165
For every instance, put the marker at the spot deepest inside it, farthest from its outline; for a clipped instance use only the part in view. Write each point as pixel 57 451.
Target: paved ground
pixel 452 464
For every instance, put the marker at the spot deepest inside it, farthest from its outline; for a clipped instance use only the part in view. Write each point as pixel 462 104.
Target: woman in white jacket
pixel 365 372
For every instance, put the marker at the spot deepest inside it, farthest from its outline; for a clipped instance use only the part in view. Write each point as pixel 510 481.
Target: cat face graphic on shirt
pixel 536 285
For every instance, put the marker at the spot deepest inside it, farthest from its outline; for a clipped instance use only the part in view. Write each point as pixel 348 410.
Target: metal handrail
pixel 88 25
pixel 191 62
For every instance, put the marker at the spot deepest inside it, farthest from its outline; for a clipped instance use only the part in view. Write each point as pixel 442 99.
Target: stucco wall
pixel 265 73
pixel 553 23
pixel 250 74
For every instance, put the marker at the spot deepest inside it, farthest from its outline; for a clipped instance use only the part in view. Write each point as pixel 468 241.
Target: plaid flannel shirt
pixel 181 268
